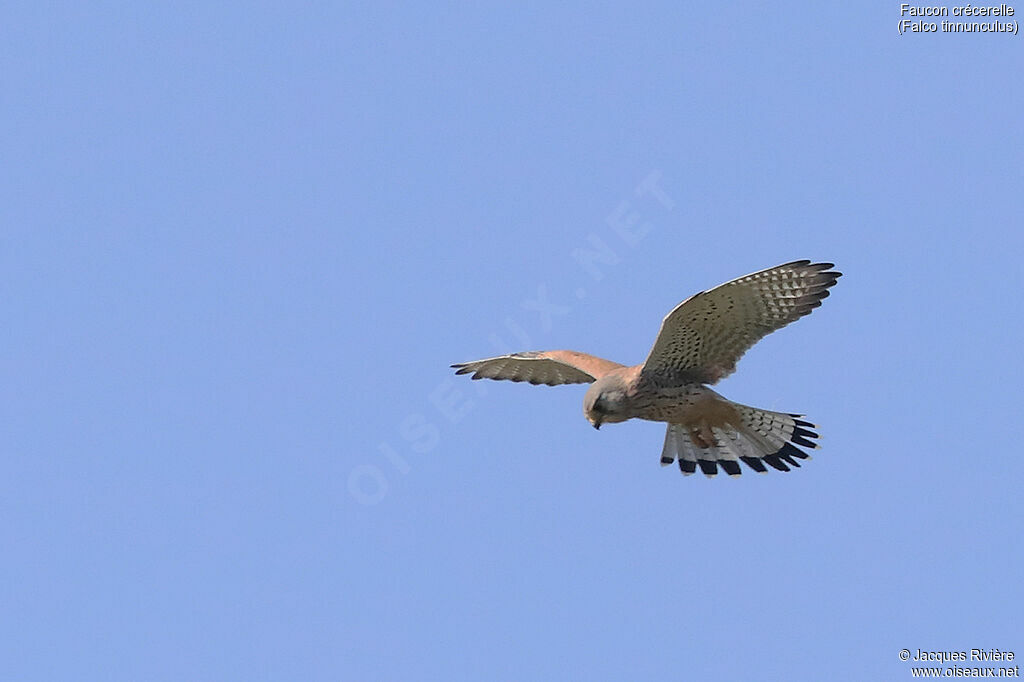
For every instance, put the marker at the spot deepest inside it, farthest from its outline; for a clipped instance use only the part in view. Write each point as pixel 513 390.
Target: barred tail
pixel 762 437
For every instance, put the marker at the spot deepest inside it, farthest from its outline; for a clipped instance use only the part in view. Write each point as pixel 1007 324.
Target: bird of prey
pixel 699 343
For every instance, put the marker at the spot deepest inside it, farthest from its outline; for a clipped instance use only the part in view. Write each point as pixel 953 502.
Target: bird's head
pixel 605 401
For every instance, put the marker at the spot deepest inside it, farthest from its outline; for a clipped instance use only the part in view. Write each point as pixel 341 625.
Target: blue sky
pixel 241 244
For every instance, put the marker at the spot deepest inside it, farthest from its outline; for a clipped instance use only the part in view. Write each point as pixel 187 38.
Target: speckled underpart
pixel 669 403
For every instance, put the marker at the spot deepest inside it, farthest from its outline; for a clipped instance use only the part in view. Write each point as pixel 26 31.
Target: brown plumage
pixel 698 344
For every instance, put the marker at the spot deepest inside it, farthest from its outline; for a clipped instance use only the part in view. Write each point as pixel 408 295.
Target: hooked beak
pixel 596 423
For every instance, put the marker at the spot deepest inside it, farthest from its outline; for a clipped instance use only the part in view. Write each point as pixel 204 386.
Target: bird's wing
pixel 705 335
pixel 552 367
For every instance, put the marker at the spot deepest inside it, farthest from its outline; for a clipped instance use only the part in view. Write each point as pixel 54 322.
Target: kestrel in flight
pixel 699 343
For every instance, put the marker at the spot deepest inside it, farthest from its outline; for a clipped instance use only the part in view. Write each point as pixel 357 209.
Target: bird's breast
pixel 680 404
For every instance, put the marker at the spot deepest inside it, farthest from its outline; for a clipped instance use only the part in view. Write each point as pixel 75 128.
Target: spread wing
pixel 552 367
pixel 704 337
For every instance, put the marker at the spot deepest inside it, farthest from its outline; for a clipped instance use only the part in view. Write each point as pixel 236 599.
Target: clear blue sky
pixel 241 244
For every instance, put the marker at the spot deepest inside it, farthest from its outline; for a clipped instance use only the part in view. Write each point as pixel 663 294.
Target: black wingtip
pixel 789 450
pixel 775 462
pixel 732 468
pixel 755 464
pixel 788 459
pixel 708 467
pixel 800 440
